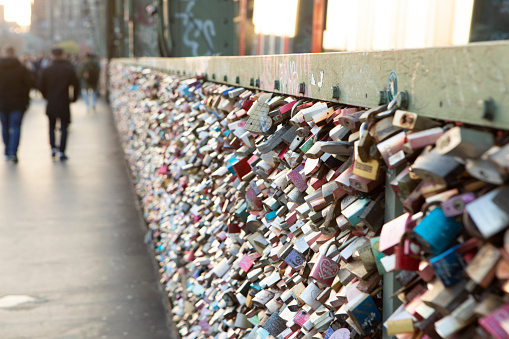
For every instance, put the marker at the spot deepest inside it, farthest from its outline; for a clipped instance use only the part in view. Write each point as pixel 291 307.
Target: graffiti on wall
pixel 145 32
pixel 197 33
pixel 288 72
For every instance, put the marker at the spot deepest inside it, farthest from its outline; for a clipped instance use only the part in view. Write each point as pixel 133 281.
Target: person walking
pixel 15 84
pixel 88 72
pixel 41 62
pixel 54 84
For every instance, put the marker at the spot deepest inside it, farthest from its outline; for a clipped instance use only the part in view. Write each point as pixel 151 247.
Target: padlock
pixel 362 184
pixel 403 184
pixel 412 121
pixel 407 253
pixel 486 215
pixel 309 295
pixel 436 231
pixel 295 260
pixel 317 108
pixel 413 203
pixel 364 143
pixel 383 129
pixel 461 317
pixel 501 198
pixel 368 170
pixel 320 118
pixel 354 211
pixel 259 121
pixel 275 324
pixel 442 299
pixel 464 143
pixel 339 133
pixel 344 148
pixel 433 167
pixel 392 232
pixel 323 319
pixel 495 321
pixel 486 171
pixel 456 205
pixel 350 121
pixel 400 326
pixel 499 157
pixel 364 313
pixel 422 139
pixel 373 215
pixel 390 147
pixel 448 266
pixel 482 268
pixel 325 269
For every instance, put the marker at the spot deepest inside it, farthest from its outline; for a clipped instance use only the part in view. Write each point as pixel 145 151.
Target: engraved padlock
pixel 259 121
pixel 295 259
pixel 325 269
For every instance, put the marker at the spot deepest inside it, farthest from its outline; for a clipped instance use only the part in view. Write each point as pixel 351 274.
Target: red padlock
pixel 325 269
pixel 408 253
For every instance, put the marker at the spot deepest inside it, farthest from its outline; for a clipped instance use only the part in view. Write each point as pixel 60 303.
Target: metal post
pixel 318 21
pixel 110 34
pixel 130 18
pixel 393 209
pixel 242 31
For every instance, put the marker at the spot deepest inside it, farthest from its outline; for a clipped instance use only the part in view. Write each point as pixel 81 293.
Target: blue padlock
pixel 436 231
pixel 449 266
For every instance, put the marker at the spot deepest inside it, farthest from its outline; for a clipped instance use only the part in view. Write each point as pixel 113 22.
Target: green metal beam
pixel 443 82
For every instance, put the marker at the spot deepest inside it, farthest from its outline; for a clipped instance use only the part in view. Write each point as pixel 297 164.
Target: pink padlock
pixel 325 269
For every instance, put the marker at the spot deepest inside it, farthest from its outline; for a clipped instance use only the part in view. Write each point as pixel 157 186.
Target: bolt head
pixel 402 100
pixel 276 85
pixel 336 92
pixel 487 108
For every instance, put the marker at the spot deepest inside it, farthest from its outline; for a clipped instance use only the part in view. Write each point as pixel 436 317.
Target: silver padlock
pixel 464 142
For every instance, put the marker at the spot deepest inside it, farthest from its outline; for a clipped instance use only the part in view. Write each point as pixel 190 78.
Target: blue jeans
pixel 11 130
pixel 86 94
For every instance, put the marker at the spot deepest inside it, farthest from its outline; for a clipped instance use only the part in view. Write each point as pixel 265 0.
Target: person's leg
pixel 15 118
pixel 63 139
pixel 4 117
pixel 52 126
pixel 86 97
pixel 94 97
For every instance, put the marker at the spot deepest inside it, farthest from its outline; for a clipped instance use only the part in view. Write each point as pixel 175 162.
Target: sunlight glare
pixel 18 11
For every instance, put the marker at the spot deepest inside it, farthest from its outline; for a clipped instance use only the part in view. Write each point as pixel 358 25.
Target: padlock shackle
pixel 329 245
pixel 297 104
pixel 471 227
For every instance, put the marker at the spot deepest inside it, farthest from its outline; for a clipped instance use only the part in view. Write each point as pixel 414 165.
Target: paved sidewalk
pixel 71 238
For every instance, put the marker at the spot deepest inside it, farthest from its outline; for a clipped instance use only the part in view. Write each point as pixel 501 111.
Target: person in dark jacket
pixel 54 84
pixel 88 72
pixel 15 84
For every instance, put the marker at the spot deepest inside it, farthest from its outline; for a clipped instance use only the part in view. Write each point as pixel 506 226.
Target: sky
pixel 17 10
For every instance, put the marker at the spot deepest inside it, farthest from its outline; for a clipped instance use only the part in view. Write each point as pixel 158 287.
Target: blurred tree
pixel 70 47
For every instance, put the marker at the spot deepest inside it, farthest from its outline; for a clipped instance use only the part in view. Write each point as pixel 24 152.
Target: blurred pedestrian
pixel 42 62
pixel 15 84
pixel 88 72
pixel 30 63
pixel 54 84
